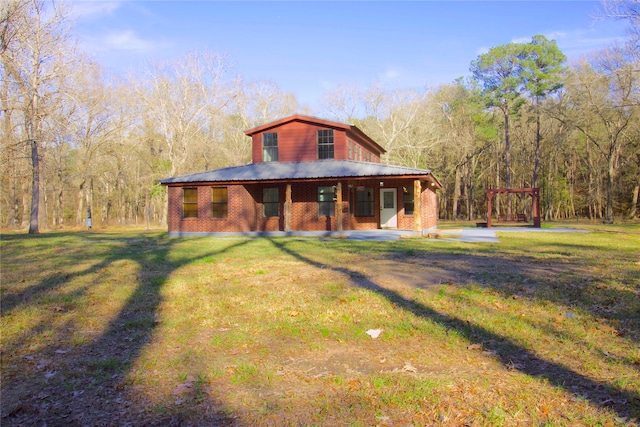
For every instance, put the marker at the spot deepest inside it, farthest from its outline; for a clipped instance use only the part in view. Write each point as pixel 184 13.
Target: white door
pixel 388 209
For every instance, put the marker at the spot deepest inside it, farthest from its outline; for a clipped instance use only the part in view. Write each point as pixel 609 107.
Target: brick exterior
pixel 245 208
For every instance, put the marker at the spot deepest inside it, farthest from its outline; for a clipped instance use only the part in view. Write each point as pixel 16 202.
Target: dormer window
pixel 269 147
pixel 325 144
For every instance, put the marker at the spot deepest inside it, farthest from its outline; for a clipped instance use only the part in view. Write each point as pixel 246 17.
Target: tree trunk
pixel 79 204
pixel 536 153
pixel 507 159
pixel 634 202
pixel 456 196
pixel 608 219
pixel 34 226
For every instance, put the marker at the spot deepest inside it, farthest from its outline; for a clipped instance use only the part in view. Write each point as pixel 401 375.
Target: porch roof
pixel 320 169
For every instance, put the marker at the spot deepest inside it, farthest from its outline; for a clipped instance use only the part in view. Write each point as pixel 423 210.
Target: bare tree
pixel 603 98
pixel 183 100
pixel 35 49
pixel 628 10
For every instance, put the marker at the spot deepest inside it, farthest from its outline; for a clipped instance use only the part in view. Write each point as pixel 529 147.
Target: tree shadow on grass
pixel 85 383
pixel 512 355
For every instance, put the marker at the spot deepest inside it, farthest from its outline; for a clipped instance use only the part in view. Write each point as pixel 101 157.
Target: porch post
pixel 417 206
pixel 287 209
pixel 339 206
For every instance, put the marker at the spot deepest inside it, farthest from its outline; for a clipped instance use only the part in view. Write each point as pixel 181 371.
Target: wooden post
pixel 339 207
pixel 535 195
pixel 287 209
pixel 489 203
pixel 417 207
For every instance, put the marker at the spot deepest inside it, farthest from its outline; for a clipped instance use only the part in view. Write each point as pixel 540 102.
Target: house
pixel 306 174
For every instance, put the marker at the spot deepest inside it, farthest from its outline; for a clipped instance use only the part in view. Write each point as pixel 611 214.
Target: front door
pixel 388 209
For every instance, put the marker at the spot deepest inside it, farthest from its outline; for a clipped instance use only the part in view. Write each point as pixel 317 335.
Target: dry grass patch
pixel 540 329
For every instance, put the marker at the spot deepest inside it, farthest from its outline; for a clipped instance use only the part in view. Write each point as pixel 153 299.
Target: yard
pixel 135 328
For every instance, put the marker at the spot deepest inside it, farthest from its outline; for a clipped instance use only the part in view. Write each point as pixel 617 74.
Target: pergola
pixel 533 192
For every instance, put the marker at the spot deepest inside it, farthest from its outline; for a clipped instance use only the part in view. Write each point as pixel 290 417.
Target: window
pixel 326 201
pixel 219 202
pixel 408 200
pixel 325 144
pixel 270 147
pixel 364 202
pixel 349 149
pixel 270 202
pixel 189 203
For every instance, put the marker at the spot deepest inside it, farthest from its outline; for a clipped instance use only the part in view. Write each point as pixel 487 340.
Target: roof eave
pixel 292 118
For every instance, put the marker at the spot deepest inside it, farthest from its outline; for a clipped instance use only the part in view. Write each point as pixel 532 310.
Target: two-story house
pixel 306 174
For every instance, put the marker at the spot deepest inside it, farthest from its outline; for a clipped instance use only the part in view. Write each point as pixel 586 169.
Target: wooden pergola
pixel 533 192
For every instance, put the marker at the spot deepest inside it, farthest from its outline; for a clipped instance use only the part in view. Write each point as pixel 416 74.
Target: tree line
pixel 77 141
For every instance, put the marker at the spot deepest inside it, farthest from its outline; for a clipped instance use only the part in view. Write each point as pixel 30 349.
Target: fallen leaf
pixel 183 388
pixel 408 368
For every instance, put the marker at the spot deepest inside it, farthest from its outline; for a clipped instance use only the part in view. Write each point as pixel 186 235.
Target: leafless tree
pixel 35 49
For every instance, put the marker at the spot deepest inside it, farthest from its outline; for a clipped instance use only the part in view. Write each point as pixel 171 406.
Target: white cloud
pixel 88 9
pixel 391 74
pixel 581 42
pixel 129 41
pixel 578 42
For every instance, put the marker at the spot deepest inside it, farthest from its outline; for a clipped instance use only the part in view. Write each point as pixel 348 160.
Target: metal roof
pixel 278 171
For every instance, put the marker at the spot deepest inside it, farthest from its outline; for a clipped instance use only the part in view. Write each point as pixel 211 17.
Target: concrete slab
pixel 469 235
pixel 474 235
pixel 488 235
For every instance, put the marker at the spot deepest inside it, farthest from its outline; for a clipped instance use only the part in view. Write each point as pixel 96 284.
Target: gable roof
pixel 319 169
pixel 317 121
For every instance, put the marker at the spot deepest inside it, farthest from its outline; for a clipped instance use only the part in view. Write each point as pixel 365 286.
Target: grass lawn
pixel 135 328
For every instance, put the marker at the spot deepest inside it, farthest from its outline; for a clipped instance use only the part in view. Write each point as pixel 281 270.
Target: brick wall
pixel 245 208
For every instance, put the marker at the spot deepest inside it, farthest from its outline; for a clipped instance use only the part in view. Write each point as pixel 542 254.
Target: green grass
pixel 541 328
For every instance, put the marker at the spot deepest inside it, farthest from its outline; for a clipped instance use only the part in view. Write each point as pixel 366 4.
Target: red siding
pixel 297 142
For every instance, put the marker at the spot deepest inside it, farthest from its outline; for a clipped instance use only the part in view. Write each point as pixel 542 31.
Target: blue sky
pixel 307 48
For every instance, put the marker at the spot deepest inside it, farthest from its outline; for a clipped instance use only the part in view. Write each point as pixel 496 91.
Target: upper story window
pixel 189 203
pixel 269 147
pixel 325 144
